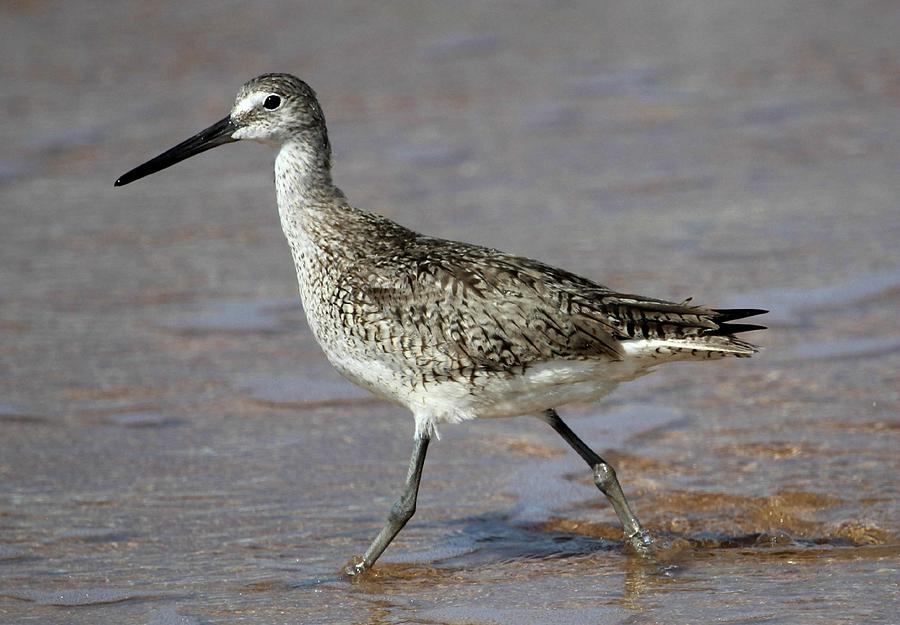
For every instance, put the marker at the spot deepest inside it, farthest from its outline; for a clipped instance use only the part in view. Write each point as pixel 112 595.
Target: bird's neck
pixel 318 222
pixel 303 173
pixel 314 213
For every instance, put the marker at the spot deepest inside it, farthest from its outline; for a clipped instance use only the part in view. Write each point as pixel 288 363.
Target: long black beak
pixel 216 135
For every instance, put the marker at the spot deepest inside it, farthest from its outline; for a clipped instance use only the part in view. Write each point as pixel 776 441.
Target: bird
pixel 449 330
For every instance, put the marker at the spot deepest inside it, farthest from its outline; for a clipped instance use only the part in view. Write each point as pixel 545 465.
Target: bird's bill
pixel 218 134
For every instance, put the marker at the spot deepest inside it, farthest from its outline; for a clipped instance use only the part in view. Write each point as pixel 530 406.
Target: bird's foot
pixel 355 567
pixel 658 555
pixel 642 543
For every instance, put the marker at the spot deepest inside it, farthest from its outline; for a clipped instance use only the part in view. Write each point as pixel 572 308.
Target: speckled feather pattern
pixel 452 330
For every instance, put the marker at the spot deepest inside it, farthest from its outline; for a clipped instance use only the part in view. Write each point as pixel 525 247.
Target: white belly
pixel 542 386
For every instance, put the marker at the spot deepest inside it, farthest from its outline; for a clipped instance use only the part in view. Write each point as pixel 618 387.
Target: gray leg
pixel 606 480
pixel 401 512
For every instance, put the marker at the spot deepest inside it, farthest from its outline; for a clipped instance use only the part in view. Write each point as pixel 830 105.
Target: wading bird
pixel 450 330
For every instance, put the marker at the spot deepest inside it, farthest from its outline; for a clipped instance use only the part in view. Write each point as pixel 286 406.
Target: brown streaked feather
pixel 491 310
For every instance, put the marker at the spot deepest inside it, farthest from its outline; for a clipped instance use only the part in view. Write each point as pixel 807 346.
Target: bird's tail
pixel 721 341
pixel 714 339
pixel 727 329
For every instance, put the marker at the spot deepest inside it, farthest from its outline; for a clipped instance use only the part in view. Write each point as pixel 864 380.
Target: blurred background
pixel 174 448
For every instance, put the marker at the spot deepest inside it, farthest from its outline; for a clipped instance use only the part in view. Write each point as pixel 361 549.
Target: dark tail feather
pixel 734 328
pixel 725 316
pixel 730 314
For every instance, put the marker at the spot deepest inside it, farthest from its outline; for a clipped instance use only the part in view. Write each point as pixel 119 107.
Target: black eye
pixel 272 102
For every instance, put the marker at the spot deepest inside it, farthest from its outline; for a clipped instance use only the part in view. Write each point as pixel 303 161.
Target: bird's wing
pixel 464 307
pixel 635 317
pixel 456 306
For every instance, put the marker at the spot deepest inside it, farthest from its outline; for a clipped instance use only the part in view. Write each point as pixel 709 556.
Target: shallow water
pixel 174 449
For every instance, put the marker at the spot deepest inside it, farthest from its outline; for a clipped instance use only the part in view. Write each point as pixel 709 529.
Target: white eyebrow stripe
pixel 250 102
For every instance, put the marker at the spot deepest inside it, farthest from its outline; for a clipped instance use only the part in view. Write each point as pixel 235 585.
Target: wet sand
pixel 175 450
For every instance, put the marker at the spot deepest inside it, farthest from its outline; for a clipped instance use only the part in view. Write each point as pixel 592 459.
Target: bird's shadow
pixel 496 538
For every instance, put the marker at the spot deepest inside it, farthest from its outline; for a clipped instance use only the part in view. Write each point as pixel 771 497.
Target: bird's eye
pixel 272 102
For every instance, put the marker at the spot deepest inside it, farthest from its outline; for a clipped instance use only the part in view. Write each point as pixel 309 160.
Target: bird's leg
pixel 401 512
pixel 606 480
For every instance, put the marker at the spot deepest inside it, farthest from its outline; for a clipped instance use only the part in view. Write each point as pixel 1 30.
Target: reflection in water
pixel 645 578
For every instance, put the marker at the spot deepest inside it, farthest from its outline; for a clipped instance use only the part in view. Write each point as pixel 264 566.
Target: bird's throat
pixel 303 175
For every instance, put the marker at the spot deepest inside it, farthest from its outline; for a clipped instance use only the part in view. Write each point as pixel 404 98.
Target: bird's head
pixel 273 109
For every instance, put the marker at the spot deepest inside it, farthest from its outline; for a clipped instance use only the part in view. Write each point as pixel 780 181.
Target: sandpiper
pixel 450 330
